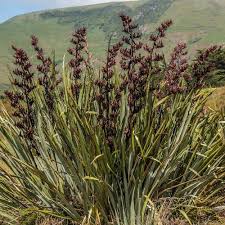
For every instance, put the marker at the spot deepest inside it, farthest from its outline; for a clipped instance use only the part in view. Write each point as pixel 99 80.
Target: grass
pixel 197 20
pixel 216 100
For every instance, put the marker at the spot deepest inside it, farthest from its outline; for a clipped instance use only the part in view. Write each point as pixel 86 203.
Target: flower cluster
pixel 44 68
pixel 132 63
pixel 155 58
pixel 157 43
pixel 21 99
pixel 79 40
pixel 202 66
pixel 109 102
pixel 129 55
pixel 176 69
pixel 48 81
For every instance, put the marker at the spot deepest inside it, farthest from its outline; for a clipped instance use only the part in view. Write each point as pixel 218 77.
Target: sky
pixel 10 8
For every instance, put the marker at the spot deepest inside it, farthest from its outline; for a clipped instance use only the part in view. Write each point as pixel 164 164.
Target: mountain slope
pixel 199 22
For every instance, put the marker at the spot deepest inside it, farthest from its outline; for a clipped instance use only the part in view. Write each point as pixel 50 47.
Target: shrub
pixel 110 147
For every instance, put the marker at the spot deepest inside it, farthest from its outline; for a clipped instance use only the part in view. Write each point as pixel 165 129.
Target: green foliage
pixel 174 152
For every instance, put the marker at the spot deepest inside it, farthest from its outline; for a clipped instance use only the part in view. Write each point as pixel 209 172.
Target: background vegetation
pixel 197 22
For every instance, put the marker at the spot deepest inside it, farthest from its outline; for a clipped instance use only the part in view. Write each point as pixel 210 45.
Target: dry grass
pixel 217 99
pixel 5 107
pixel 49 221
pixel 164 221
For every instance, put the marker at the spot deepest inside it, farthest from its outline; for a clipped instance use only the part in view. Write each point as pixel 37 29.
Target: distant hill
pixel 199 22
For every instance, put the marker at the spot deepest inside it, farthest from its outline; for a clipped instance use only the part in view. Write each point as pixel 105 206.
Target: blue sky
pixel 10 8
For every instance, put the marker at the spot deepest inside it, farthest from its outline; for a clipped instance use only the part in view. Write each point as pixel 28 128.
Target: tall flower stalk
pixel 155 57
pixel 156 40
pixel 21 97
pixel 79 41
pixel 108 95
pixel 48 70
pixel 176 69
pixel 132 65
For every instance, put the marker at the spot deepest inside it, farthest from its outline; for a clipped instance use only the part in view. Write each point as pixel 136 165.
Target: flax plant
pixel 111 150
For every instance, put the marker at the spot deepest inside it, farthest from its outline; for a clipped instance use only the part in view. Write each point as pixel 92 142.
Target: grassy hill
pixel 199 22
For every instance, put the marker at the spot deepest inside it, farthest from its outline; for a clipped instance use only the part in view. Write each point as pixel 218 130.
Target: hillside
pixel 199 22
